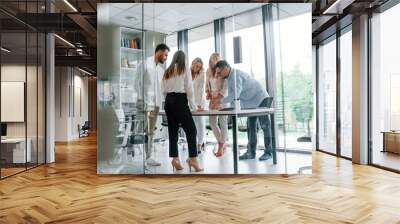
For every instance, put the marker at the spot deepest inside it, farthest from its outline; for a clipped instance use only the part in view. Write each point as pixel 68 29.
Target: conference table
pixel 235 114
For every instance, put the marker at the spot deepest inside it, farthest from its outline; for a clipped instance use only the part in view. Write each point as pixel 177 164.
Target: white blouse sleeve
pixel 189 89
pixel 202 91
pixel 164 92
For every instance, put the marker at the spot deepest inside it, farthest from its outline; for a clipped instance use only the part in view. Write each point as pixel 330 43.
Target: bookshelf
pixel 131 54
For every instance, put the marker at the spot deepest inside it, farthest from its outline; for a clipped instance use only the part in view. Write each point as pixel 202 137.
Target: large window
pixel 172 43
pixel 385 84
pixel 327 96
pixel 249 28
pixel 294 86
pixel 346 93
pixel 201 43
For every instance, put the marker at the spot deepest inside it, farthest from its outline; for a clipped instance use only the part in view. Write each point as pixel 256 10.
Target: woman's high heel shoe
pixel 195 165
pixel 220 152
pixel 176 165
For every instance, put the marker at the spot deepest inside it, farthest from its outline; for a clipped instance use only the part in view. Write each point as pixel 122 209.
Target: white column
pixel 50 99
pixel 360 90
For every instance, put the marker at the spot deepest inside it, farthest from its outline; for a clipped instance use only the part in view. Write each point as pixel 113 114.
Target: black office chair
pixel 83 130
pixel 136 137
pixel 270 99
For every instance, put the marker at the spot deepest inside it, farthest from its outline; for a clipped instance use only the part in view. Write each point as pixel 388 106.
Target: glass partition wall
pixel 22 94
pixel 238 32
pixel 294 95
pixel 121 56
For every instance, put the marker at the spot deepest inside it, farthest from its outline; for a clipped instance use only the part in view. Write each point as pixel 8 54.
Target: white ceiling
pixel 171 17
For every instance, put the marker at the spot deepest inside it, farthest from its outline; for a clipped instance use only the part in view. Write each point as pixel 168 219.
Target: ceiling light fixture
pixel 5 50
pixel 337 7
pixel 64 40
pixel 70 5
pixel 86 72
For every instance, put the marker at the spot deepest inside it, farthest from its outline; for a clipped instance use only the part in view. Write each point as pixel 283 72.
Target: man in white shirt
pixel 153 95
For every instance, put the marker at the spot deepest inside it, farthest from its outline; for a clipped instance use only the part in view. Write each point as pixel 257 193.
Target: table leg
pixel 235 146
pixel 273 139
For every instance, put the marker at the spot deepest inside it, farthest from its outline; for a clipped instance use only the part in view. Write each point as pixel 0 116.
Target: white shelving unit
pixel 130 59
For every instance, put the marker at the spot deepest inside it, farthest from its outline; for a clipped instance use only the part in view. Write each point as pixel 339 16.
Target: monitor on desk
pixel 3 130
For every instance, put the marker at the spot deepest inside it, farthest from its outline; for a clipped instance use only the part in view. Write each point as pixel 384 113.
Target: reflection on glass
pixel 327 96
pixel 121 136
pixel 346 94
pixel 172 42
pixel 385 85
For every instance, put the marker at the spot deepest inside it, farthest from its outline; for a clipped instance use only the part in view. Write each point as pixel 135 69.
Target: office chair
pixel 83 131
pixel 137 137
pixel 124 130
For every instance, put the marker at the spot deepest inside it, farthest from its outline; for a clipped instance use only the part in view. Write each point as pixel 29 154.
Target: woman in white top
pixel 198 77
pixel 216 88
pixel 177 87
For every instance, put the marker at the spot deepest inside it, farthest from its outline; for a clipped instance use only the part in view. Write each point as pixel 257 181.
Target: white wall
pixel 71 94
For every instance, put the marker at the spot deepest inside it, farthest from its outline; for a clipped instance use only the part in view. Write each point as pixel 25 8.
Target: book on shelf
pixel 131 43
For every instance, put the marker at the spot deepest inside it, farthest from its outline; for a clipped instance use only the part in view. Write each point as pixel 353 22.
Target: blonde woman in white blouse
pixel 198 77
pixel 216 89
pixel 177 87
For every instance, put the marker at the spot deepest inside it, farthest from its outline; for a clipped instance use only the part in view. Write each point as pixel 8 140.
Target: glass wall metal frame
pixel 337 38
pixel 33 64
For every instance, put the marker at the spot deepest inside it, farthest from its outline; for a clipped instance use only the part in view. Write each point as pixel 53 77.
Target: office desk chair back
pixel 84 129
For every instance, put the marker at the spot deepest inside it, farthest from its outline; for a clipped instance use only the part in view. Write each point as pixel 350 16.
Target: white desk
pixel 18 150
pixel 240 113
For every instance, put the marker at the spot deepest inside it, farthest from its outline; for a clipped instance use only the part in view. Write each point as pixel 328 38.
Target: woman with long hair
pixel 177 87
pixel 198 78
pixel 217 89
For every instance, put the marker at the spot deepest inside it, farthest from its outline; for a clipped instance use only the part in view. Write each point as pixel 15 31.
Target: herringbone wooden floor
pixel 70 191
